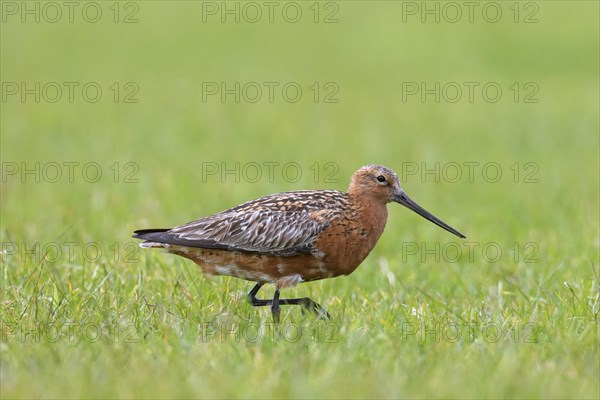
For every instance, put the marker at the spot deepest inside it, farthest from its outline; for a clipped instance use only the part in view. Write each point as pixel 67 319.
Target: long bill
pixel 409 203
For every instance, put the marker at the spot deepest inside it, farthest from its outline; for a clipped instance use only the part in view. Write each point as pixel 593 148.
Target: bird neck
pixel 372 212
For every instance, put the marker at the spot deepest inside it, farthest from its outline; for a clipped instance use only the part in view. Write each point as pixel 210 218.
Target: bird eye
pixel 381 178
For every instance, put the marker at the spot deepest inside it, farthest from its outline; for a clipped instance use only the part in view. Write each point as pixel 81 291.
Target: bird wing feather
pixel 278 224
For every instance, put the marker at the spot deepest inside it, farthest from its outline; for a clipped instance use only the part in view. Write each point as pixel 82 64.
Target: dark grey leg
pixel 305 302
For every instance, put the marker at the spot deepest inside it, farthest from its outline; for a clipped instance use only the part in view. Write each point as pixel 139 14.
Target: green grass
pixel 414 321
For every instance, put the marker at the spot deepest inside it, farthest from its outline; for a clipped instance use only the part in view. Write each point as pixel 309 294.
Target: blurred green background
pixel 155 130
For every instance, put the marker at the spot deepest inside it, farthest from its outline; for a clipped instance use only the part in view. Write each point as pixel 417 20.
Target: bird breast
pixel 348 241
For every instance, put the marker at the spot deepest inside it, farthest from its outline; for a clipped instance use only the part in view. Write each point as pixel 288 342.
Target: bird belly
pixel 257 267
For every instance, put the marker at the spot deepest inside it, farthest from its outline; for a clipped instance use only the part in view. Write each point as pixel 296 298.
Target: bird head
pixel 383 184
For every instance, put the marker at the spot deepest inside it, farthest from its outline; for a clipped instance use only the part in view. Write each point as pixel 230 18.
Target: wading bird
pixel 292 237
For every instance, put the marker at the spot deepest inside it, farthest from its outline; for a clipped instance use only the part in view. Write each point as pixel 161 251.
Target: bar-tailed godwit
pixel 292 237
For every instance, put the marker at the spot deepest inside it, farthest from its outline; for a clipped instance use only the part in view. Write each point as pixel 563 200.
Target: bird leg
pixel 252 297
pixel 305 302
pixel 275 309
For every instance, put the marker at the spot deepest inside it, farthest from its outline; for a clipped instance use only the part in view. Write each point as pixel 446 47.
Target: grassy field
pixel 121 116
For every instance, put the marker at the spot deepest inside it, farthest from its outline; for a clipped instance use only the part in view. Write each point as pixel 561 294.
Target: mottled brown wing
pixel 283 224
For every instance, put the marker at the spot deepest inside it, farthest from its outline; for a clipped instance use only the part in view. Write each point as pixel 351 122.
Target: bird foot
pixel 305 302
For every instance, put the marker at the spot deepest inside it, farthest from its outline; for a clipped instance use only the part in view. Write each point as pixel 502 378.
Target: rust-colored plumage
pixel 291 237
